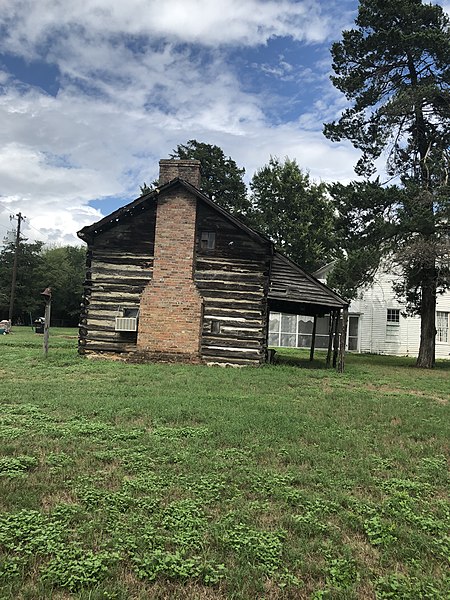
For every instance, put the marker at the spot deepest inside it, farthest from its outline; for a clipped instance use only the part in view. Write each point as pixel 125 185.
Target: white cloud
pixel 206 22
pixel 125 103
pixel 54 199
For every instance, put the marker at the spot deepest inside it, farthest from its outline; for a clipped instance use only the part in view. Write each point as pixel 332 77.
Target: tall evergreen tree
pixel 294 212
pixel 394 69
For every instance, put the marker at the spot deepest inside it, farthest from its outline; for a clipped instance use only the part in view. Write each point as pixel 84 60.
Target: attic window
pixel 208 240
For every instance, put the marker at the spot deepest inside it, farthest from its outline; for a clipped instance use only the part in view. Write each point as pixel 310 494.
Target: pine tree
pixel 394 69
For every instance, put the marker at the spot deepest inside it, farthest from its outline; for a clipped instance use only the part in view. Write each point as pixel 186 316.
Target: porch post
pixel 336 338
pixel 330 337
pixel 313 339
pixel 343 340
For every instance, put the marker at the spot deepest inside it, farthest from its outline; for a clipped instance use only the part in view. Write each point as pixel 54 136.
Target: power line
pixel 28 222
pixel 39 231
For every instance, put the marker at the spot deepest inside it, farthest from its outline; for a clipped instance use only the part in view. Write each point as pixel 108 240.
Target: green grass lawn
pixel 121 481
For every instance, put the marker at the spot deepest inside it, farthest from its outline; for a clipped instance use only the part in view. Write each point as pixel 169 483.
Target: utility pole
pixel 20 218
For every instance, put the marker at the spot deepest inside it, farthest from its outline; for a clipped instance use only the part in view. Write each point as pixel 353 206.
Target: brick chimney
pixel 189 170
pixel 171 306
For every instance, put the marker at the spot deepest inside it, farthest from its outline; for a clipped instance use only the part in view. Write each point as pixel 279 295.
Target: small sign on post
pixel 47 293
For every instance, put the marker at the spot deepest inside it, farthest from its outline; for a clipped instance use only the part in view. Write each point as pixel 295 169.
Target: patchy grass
pixel 122 481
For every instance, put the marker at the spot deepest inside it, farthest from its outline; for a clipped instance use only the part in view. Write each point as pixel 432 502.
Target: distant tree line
pixel 61 268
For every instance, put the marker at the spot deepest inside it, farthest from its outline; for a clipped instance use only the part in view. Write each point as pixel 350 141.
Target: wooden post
pixel 343 340
pixel 336 338
pixel 330 338
pixel 313 339
pixel 47 293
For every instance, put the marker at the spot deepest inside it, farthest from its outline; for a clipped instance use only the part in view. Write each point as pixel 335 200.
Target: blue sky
pixel 94 93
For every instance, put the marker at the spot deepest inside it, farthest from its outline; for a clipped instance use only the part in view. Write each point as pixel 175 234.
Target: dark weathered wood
pixel 289 282
pixel 107 347
pixel 119 265
pixel 313 339
pixel 254 355
pixel 230 313
pixel 343 340
pixel 214 359
pixel 210 340
pixel 232 279
pixel 330 338
pixel 336 339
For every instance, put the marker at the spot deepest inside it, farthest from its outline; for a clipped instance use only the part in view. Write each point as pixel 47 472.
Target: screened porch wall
pixel 295 331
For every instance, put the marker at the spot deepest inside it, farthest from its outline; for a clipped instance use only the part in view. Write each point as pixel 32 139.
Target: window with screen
pixel 442 321
pixel 392 324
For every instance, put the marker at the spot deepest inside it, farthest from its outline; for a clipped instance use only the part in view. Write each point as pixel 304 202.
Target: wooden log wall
pixel 233 280
pixel 119 265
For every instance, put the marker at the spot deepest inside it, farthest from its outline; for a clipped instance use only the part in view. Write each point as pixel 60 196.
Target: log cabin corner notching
pixel 172 276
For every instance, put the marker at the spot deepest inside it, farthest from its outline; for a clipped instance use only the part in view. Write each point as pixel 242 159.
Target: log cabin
pixel 172 276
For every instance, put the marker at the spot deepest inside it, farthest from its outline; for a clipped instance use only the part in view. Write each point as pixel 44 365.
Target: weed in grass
pixel 9 432
pixel 170 433
pixel 261 549
pixel 397 585
pixel 74 567
pixel 379 532
pixel 29 532
pixel 341 573
pixel 207 488
pixel 185 522
pixel 58 461
pixel 312 520
pixel 11 567
pixel 17 466
pixel 177 566
pixel 397 484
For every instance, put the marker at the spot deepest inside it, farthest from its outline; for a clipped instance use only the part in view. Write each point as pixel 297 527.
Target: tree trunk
pixel 426 357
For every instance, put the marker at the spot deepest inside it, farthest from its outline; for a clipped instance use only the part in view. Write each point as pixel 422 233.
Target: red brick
pixel 171 306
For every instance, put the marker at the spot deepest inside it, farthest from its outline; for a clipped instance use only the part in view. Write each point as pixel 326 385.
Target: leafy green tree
pixel 222 180
pixel 294 212
pixel 63 269
pixel 28 287
pixel 394 69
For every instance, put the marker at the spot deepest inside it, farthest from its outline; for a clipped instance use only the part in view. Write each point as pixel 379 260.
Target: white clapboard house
pixel 376 323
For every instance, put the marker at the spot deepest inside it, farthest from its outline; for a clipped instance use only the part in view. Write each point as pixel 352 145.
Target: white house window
pixel 442 321
pixel 208 240
pixel 392 324
pixel 353 330
pixel 393 315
